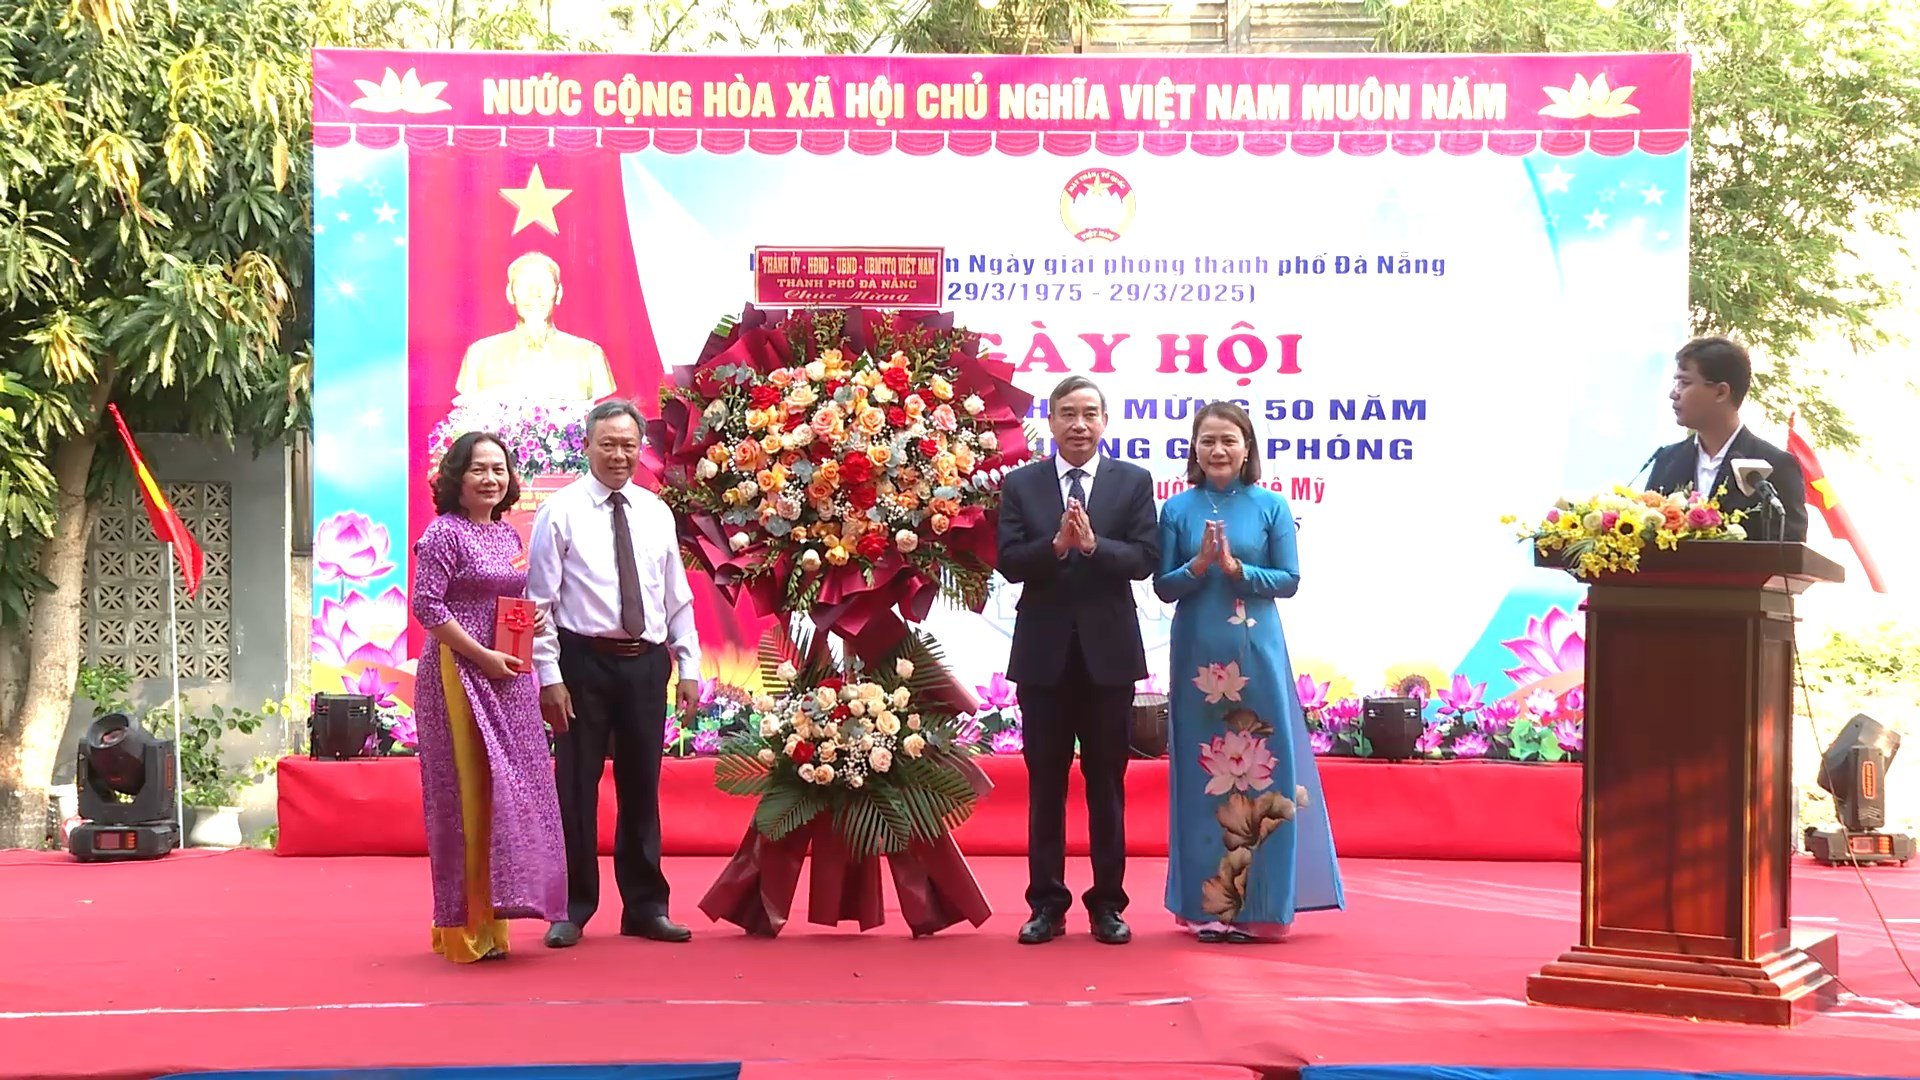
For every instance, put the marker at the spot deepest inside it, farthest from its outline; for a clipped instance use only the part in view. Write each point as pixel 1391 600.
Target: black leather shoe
pixel 1110 929
pixel 562 935
pixel 655 928
pixel 1042 928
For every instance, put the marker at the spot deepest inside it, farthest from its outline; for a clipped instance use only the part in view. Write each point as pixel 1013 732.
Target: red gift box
pixel 513 621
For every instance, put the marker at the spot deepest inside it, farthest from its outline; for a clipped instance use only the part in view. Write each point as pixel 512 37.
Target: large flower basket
pixel 850 766
pixel 844 465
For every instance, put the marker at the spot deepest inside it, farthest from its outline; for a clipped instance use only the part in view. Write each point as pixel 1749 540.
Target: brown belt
pixel 612 646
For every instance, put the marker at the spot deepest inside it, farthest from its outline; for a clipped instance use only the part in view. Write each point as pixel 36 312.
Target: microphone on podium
pixel 1750 475
pixel 1642 470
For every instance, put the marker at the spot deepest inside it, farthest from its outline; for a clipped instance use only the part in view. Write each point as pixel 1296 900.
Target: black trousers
pixel 1053 717
pixel 619 704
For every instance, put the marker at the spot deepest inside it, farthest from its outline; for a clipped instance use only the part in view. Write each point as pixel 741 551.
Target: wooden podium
pixel 1684 887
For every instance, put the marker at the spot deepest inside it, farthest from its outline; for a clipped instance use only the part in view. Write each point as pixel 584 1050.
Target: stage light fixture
pixel 125 779
pixel 1392 727
pixel 1854 771
pixel 342 726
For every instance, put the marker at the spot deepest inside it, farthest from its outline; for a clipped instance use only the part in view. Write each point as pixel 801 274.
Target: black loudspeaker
pixel 342 726
pixel 1392 727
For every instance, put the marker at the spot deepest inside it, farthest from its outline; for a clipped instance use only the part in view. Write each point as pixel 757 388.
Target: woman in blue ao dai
pixel 1250 843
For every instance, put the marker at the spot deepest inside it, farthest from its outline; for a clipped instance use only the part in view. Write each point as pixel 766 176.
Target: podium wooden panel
pixel 1688 795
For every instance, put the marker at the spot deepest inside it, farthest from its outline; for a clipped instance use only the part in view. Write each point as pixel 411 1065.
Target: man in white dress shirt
pixel 604 565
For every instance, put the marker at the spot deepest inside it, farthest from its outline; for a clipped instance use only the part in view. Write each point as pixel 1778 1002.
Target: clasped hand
pixel 1215 550
pixel 1076 532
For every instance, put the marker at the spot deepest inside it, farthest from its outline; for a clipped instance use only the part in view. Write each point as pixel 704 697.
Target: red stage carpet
pixel 230 960
pixel 1413 810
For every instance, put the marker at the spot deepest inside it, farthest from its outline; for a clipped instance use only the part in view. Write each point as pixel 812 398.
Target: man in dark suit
pixel 1077 530
pixel 1710 382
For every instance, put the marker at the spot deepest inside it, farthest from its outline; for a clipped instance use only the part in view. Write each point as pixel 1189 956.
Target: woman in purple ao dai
pixel 493 818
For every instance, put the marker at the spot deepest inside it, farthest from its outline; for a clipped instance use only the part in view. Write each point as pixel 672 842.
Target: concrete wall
pixel 263 610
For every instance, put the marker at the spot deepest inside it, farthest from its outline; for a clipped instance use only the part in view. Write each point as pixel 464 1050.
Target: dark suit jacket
pixel 1673 470
pixel 1091 596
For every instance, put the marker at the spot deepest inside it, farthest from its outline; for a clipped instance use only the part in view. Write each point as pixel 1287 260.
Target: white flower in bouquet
pixel 770 727
pixel 793 743
pixel 825 697
pixel 763 703
pixel 706 470
pixel 989 441
pixel 883 394
pixel 848 693
pixel 857 707
pixel 903 667
pixel 808 773
pixel 888 724
pixel 738 541
pixel 765 755
pixel 906 540
pixel 880 759
pixel 1736 531
pixel 823 774
pixel 809 560
pixel 786 672
pixel 816 371
pixel 913 721
pixel 856 781
pixel 900 697
pixel 716 410
pixel 913 744
pixel 872 694
pixel 973 405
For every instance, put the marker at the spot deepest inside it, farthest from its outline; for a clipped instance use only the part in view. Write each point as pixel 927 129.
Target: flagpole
pixel 179 733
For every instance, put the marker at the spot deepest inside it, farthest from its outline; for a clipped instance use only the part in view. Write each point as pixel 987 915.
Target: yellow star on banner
pixel 533 204
pixel 1828 500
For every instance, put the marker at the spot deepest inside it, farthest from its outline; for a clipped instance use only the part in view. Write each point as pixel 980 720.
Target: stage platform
pixel 237 960
pixel 1478 810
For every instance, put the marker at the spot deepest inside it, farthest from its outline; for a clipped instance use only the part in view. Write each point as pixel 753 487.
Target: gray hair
pixel 611 408
pixel 1071 383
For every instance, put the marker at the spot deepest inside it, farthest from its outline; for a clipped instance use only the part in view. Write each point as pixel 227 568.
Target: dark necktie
pixel 633 612
pixel 1074 490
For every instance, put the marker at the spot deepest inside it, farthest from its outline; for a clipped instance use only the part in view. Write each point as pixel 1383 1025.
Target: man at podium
pixel 1710 382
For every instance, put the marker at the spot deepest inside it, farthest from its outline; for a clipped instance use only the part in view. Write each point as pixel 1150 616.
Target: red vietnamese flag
pixel 167 526
pixel 1820 493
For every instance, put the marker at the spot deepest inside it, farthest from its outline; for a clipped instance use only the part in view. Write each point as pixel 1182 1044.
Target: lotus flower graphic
pixel 1584 99
pixel 400 93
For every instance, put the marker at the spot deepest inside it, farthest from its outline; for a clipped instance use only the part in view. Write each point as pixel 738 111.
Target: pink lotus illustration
pixel 1009 741
pixel 1431 739
pixel 1574 701
pixel 350 547
pixel 998 693
pixel 372 684
pixel 1462 696
pixel 671 735
pixel 1236 761
pixel 967 731
pixel 405 732
pixel 1342 714
pixel 1570 735
pixel 1313 695
pixel 1219 681
pixel 361 629
pixel 1321 741
pixel 1542 703
pixel 1552 645
pixel 1471 745
pixel 1498 718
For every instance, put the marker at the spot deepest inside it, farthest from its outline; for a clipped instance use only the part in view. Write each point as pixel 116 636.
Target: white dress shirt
pixel 1086 482
pixel 1706 467
pixel 572 574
